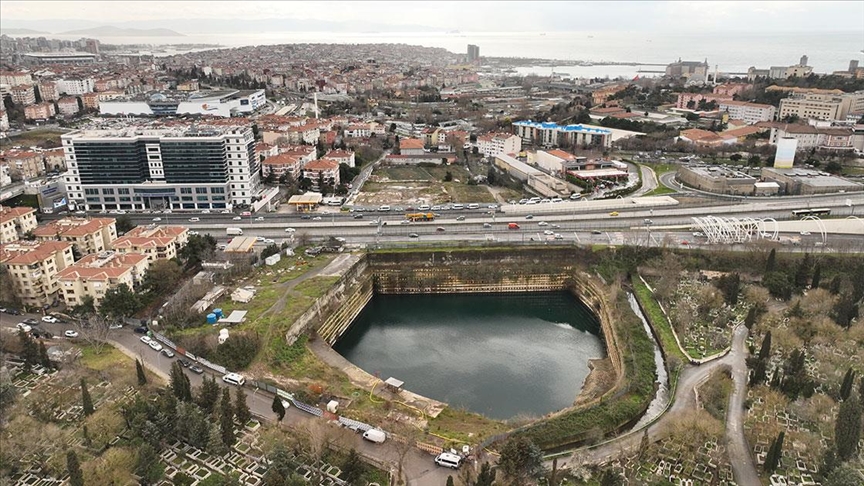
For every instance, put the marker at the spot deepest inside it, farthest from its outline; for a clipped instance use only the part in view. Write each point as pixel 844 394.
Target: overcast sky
pixel 754 17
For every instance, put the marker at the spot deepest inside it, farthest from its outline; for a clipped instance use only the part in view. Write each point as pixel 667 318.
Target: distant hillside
pixel 111 31
pixel 22 32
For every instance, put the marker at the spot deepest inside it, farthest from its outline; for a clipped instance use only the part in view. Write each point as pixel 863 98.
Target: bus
pixel 420 216
pixel 801 213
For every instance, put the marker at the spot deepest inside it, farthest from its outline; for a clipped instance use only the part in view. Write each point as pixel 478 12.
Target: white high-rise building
pixel 785 155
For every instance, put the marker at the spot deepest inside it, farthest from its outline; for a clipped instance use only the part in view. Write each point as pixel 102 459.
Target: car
pixel 548 232
pixel 542 223
pixel 440 229
pixel 260 239
pixel 184 363
pixel 193 233
pixel 529 216
pixel 12 311
pixel 246 213
pixel 596 232
pixel 556 226
pixel 70 333
pixel 398 209
pixel 115 326
pixel 269 241
pixel 316 218
pixel 460 218
pixel 613 213
pixel 141 330
pixel 196 369
pixel 234 379
pixel 146 339
pixel 290 230
pixel 156 220
pixel 50 319
pixel 236 218
pixel 259 218
pixel 205 211
pixel 167 353
pixel 559 236
pixel 358 216
pixel 405 221
pixel 413 235
pixel 805 233
pixel 487 225
pixel 305 216
pixel 340 239
pixel 194 220
pixel 225 211
pixel 154 345
pixel 30 321
pixel 24 327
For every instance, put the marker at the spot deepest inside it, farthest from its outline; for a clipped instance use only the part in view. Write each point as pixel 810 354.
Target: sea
pixel 730 52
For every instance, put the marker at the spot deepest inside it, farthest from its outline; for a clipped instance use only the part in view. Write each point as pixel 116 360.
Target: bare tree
pixel 405 438
pixel 94 329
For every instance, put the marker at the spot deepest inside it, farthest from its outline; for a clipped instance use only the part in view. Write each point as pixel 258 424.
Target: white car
pixel 224 211
pixel 50 319
pixel 316 218
pixel 156 220
pixel 548 232
pixel 259 218
pixel 24 327
pixel 70 333
pixel 269 241
pixel 146 339
pixel 236 218
pixel 115 326
pixel 805 233
pixel 194 220
pixel 193 233
pixel 155 346
pixel 260 239
pixel 206 211
pixel 290 230
pixel 542 223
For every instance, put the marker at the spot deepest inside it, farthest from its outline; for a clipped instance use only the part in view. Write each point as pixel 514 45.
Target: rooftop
pixel 101 266
pixel 7 213
pixel 29 252
pixel 73 227
pixel 564 128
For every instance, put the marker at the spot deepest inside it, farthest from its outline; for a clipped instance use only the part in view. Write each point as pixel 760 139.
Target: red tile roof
pixel 8 214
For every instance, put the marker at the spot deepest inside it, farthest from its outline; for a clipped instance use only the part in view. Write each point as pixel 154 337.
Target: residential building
pixel 552 134
pixel 25 164
pixel 812 137
pixel 5 178
pixel 42 111
pixel 96 273
pixel 322 170
pixel 89 235
pixel 282 164
pixel 494 144
pixel 358 130
pixel 749 112
pixel 473 53
pixel 731 89
pixel 704 137
pixel 821 106
pixel 75 86
pixel 33 268
pixel 14 78
pixel 90 101
pixel 411 146
pixel 341 156
pixel 54 159
pixel 432 136
pixel 48 90
pixel 4 121
pixel 599 96
pixel 16 222
pixel 690 101
pixel 23 94
pixel 68 105
pixel 156 242
pixel 182 167
pixel 305 153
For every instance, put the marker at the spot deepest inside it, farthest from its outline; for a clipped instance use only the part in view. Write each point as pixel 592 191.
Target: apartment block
pixel 42 111
pixel 33 268
pixel 24 163
pixel 16 222
pixel 23 94
pixel 280 165
pixel 74 86
pixel 48 90
pixel 748 112
pixel 13 78
pixel 495 144
pixel 68 105
pixel 89 235
pixel 552 134
pixel 183 167
pixel 96 273
pixel 341 156
pixel 156 242
pixel 322 170
pixel 810 137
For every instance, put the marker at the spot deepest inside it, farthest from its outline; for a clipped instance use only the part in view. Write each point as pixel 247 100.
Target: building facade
pixel 33 268
pixel 16 222
pixel 494 144
pixel 552 134
pixel 155 242
pixel 322 170
pixel 748 112
pixel 821 106
pixel 89 235
pixel 96 273
pixel 42 111
pixel 188 167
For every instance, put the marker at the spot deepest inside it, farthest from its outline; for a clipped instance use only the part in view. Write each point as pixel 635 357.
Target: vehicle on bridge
pixel 420 216
pixel 234 231
pixel 801 213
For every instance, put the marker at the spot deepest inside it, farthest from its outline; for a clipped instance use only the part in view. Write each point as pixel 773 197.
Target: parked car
pixel 141 330
pixel 196 369
pixel 115 326
pixel 146 339
pixel 24 327
pixel 194 220
pixel 50 319
pixel 70 333
pixel 30 321
pixel 154 345
pixel 167 353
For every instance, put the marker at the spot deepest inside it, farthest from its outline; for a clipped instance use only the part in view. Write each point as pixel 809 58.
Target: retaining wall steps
pixel 338 322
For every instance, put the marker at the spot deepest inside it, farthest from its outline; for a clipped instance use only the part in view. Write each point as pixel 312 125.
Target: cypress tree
pixel 772 460
pixel 817 277
pixel 180 383
pixel 486 476
pixel 226 420
pixel 450 481
pixel 846 386
pixel 73 467
pixel 86 401
pixel 751 318
pixel 847 428
pixel 44 360
pixel 772 262
pixel 139 369
pixel 241 408
pixel 86 435
pixel 765 350
pixel 278 408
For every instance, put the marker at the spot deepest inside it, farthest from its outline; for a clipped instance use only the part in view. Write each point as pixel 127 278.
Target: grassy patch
pixel 315 287
pixel 33 137
pixel 109 358
pixel 662 327
pixel 463 193
pixel 660 191
pixel 456 425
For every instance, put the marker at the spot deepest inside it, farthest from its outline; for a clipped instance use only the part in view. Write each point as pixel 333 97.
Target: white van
pixel 375 435
pixel 234 379
pixel 448 460
pixel 423 207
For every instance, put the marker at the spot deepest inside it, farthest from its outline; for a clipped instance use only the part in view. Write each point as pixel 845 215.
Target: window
pixel 123 190
pixel 202 198
pixel 108 190
pixel 200 190
pixel 91 192
pixel 217 190
pixel 186 198
pixel 185 190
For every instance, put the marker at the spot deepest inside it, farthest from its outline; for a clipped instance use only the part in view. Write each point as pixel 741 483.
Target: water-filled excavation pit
pixel 501 355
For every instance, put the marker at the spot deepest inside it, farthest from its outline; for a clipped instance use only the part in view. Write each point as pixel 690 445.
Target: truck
pixel 234 231
pixel 420 216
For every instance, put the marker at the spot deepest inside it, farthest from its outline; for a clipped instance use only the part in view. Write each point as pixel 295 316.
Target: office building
pixel 182 167
pixel 473 53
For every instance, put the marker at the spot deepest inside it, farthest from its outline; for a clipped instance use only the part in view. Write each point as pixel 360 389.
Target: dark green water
pixel 497 354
